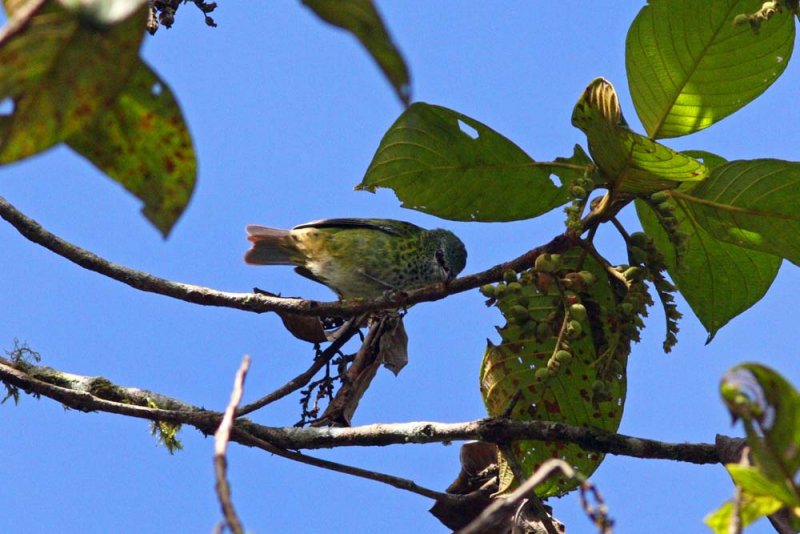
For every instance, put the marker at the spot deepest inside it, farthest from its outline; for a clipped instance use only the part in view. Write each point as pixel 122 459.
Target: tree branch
pixel 78 392
pixel 259 303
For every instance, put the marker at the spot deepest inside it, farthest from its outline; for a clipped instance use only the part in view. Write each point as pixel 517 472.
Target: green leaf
pixel 361 18
pixel 718 280
pixel 752 204
pixel 631 162
pixel 689 66
pixel 750 510
pixel 61 67
pixel 508 372
pixel 444 163
pixel 143 143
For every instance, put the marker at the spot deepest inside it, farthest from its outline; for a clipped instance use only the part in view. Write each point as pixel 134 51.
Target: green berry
pixel 577 191
pixel 659 197
pixel 563 356
pixel 515 287
pixel 588 277
pixel 519 313
pixel 541 374
pixel 499 291
pixel 545 263
pixel 638 239
pixel 574 329
pixel 510 276
pixel 577 311
pixel 488 291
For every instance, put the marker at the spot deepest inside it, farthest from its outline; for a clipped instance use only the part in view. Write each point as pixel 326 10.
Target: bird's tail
pixel 271 246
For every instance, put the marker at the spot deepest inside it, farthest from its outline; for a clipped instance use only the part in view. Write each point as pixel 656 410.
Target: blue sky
pixel 286 113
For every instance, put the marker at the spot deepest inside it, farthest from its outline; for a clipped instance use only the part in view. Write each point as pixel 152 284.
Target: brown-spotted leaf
pixel 61 66
pixel 586 390
pixel 143 143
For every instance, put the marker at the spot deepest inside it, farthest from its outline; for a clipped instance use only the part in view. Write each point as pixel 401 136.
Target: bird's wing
pixel 389 226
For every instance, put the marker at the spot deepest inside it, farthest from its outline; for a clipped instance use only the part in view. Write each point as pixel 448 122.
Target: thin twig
pixel 246 438
pixel 621 229
pixel 303 378
pixel 221 437
pixel 258 303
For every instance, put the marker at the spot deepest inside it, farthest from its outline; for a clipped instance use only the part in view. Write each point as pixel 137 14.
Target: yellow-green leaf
pixel 61 67
pixel 143 143
pixel 361 18
pixel 631 162
pixel 751 509
pixel 689 66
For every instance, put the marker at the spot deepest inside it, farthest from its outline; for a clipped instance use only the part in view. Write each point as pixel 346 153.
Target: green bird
pixel 361 257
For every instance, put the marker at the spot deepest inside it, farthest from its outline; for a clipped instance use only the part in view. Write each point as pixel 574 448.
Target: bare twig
pixel 302 379
pixel 221 437
pixel 246 438
pixel 258 303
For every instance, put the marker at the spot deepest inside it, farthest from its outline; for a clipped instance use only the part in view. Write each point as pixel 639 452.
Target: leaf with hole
pixel 143 143
pixel 361 18
pixel 689 66
pixel 632 163
pixel 61 67
pixel 444 163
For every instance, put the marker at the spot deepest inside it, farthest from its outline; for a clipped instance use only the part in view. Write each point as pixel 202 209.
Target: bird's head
pixel 451 255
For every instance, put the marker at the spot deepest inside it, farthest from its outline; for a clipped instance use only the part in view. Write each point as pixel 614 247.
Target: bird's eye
pixel 440 260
